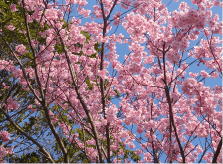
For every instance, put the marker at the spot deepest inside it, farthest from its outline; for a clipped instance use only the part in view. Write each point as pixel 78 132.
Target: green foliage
pixel 118 94
pixel 74 152
pixel 33 157
pixel 89 84
pixel 15 19
pixel 128 154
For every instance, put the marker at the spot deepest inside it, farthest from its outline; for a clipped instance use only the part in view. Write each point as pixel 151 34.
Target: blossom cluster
pixel 4 152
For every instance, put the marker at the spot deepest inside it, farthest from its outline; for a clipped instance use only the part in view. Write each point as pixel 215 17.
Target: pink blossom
pixel 193 74
pixel 199 149
pixel 148 157
pixel 102 73
pixel 3 153
pixel 149 60
pixel 117 19
pixel 54 120
pixel 13 8
pixel 131 145
pixel 11 104
pixel 51 113
pixel 214 75
pixel 5 136
pixel 30 107
pixel 189 86
pixel 22 31
pixel 138 152
pixel 21 49
pixel 5 86
pixel 139 130
pixel 205 74
pixel 84 12
pixel 10 27
pixel 51 14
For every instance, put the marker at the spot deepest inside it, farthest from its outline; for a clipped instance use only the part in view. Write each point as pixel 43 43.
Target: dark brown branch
pixel 74 79
pixel 43 102
pixel 170 107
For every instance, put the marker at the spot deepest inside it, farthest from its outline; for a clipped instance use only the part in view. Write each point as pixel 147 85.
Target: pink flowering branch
pixel 170 109
pixel 105 19
pixel 74 79
pixel 37 97
pixel 22 67
pixel 43 101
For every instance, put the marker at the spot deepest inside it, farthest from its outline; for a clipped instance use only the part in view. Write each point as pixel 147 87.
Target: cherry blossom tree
pixel 66 96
